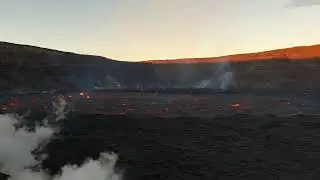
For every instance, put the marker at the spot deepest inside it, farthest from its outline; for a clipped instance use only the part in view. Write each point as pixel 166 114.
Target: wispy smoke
pixel 226 80
pixel 223 78
pixel 108 82
pixel 301 3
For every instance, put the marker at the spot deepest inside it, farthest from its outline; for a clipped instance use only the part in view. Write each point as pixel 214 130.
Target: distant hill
pixel 293 53
pixel 24 67
pixel 29 67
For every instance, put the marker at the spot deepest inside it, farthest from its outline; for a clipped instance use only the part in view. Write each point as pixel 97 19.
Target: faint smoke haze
pixel 301 3
pixel 223 78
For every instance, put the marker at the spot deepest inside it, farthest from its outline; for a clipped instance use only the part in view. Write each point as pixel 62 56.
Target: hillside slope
pixel 34 68
pixel 28 67
pixel 293 53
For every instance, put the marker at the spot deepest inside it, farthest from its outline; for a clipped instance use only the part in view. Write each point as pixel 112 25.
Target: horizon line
pixel 160 59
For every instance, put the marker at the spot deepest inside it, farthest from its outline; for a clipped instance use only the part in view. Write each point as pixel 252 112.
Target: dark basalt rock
pixel 4 176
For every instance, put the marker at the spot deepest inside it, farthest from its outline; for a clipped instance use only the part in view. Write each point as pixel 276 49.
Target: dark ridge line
pixel 56 51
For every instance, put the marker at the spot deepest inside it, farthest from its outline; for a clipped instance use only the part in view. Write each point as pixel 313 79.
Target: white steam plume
pixel 16 146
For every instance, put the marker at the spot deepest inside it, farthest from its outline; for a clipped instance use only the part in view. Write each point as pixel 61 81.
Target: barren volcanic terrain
pixel 27 68
pixel 217 136
pixel 264 126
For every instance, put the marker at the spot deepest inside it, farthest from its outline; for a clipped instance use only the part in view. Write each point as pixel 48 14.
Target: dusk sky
pixel 161 29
